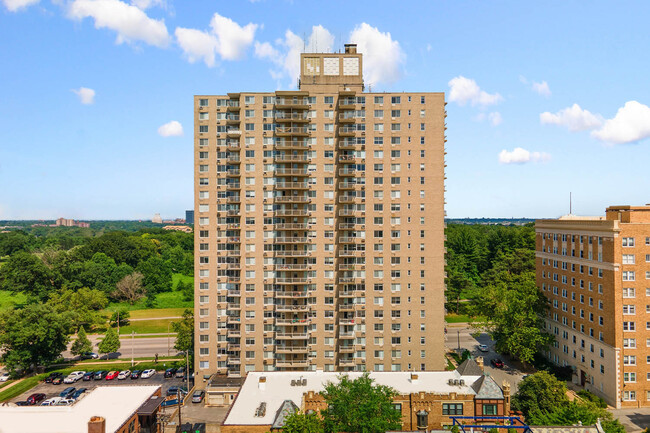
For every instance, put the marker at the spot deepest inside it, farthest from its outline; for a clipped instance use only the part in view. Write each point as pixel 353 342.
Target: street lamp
pixel 168 349
pixel 132 347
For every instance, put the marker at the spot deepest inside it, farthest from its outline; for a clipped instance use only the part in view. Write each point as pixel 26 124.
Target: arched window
pixel 423 419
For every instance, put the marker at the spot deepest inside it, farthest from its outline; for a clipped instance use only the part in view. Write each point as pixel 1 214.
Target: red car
pixel 112 375
pixel 497 363
pixel 35 398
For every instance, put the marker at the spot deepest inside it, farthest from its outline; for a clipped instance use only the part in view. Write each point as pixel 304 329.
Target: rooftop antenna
pixel 570 203
pixel 304 42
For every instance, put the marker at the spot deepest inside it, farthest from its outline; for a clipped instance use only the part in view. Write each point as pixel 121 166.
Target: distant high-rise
pixel 319 241
pixel 596 272
pixel 189 217
pixel 157 219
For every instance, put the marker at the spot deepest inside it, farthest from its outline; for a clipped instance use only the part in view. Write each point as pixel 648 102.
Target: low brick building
pixel 426 399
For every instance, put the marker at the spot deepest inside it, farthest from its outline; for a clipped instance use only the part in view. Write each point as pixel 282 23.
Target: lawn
pixel 147 326
pixel 462 318
pixel 173 299
pixel 158 312
pixel 8 299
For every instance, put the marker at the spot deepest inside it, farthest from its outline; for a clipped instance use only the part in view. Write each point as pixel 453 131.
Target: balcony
pixel 281 116
pixel 346 307
pixel 296 103
pixel 292 145
pixel 351 172
pixel 233 172
pixel 350 212
pixel 286 349
pixel 232 118
pixel 351 240
pixel 346 362
pixel 292 240
pixel 351 226
pixel 282 131
pixel 291 199
pixel 233 199
pixel 346 349
pixel 350 198
pixel 234 347
pixel 232 105
pixel 291 226
pixel 233 132
pixel 291 212
pixel 346 267
pixel 233 293
pixel 233 306
pixel 290 253
pixel 347 103
pixel 347 131
pixel 233 320
pixel 347 322
pixel 354 280
pixel 233 333
pixel 233 186
pixel 351 294
pixel 288 294
pixel 350 159
pixel 234 159
pixel 295 280
pixel 233 360
pixel 350 117
pixel 349 143
pixel 292 185
pixel 291 335
pixel 291 158
pixel 291 171
pixel 293 322
pixel 292 364
pixel 350 185
pixel 291 267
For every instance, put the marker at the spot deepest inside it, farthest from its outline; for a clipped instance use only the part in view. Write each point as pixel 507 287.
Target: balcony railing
pixel 292 185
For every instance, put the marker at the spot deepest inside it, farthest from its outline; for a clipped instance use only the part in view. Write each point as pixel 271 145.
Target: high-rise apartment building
pixel 596 273
pixel 319 226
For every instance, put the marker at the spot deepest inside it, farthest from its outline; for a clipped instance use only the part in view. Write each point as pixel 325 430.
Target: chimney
pixel 414 378
pixel 479 362
pixel 97 424
pixel 350 48
pixel 506 397
pixel 262 383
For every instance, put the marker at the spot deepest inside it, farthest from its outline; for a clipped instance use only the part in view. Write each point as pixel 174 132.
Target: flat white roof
pixel 278 388
pixel 116 404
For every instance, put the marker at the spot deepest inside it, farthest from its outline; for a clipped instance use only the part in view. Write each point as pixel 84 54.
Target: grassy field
pixel 461 318
pixel 7 299
pixel 164 300
pixel 147 326
pixel 158 312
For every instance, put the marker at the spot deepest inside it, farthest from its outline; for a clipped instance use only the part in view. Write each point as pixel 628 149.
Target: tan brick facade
pixel 319 226
pixel 595 273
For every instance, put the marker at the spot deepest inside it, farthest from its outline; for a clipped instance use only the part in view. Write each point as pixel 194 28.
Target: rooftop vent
pixel 261 410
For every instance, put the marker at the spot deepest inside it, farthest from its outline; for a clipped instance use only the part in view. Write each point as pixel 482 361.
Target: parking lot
pixel 53 390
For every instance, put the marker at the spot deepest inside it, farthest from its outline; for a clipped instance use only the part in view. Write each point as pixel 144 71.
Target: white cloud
pixel 225 38
pixel 15 5
pixel 542 88
pixel 429 47
pixel 464 90
pixel 233 40
pixel 631 123
pixel 574 118
pixel 286 53
pixel 146 4
pixel 197 45
pixel 495 118
pixel 171 129
pixel 130 22
pixel 86 95
pixel 522 156
pixel 383 58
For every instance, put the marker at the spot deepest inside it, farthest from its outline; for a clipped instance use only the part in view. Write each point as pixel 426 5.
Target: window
pixel 628 259
pixel 395 99
pixel 489 409
pixel 628 242
pixel 422 416
pixel 628 275
pixel 452 408
pixel 629 395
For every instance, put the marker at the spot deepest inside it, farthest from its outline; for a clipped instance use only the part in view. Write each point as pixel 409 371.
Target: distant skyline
pixel 544 98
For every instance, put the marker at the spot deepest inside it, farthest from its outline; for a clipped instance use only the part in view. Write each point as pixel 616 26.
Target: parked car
pixel 483 348
pixel 170 372
pixel 135 374
pixel 146 374
pixel 22 403
pixel 78 392
pixel 67 393
pixel 35 398
pixel 74 376
pixel 88 376
pixel 180 373
pixel 89 355
pixel 496 362
pixel 124 374
pixel 4 377
pixel 51 401
pixel 99 375
pixel 53 375
pixel 64 402
pixel 58 380
pixel 197 397
pixel 174 390
pixel 112 375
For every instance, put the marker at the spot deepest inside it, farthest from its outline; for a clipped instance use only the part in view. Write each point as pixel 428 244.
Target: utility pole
pixel 168 350
pixel 118 323
pixel 178 398
pixel 458 331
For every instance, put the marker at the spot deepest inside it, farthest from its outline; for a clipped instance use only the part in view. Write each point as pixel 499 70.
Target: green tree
pixel 82 344
pixel 26 273
pixel 32 336
pixel 539 393
pixel 120 317
pixel 157 275
pixel 130 288
pixel 83 306
pixel 184 330
pixel 359 405
pixel 299 422
pixel 110 343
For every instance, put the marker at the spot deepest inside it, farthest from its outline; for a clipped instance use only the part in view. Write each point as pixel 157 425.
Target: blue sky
pixel 544 97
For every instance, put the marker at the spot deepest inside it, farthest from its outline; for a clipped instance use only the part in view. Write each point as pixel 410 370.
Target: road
pixel 462 333
pixel 142 347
